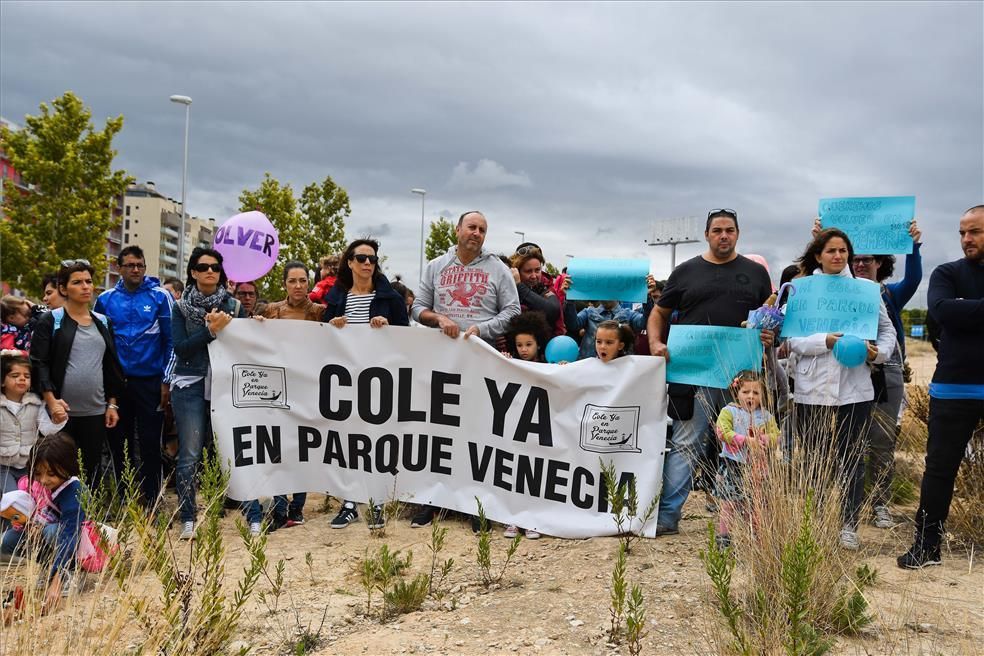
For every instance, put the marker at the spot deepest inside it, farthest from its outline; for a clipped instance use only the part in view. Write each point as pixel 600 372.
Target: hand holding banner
pixel 608 280
pixel 711 356
pixel 832 304
pixel 875 226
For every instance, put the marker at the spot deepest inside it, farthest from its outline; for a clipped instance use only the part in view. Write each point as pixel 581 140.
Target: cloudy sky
pixel 579 125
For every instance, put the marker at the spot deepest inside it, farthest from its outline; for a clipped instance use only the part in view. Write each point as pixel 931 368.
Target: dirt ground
pixel 554 598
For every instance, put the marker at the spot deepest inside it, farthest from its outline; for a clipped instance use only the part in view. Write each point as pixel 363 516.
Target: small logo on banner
pixel 256 386
pixel 606 429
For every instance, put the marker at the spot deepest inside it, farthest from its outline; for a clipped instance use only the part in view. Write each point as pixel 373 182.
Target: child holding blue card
pixel 744 428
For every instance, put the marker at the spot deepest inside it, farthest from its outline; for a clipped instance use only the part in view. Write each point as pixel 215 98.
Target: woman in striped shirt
pixel 363 295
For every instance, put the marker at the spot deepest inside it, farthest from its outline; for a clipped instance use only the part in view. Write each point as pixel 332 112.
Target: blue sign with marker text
pixel 832 304
pixel 875 226
pixel 711 356
pixel 608 280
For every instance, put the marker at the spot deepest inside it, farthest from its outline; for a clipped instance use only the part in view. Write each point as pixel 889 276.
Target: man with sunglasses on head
pixel 717 288
pixel 467 291
pixel 140 311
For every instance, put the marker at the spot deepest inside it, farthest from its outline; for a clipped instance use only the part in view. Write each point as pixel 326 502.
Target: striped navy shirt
pixel 357 307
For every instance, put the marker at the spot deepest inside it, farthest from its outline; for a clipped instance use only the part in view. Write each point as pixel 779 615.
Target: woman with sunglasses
pixel 363 295
pixel 73 353
pixel 534 286
pixel 205 308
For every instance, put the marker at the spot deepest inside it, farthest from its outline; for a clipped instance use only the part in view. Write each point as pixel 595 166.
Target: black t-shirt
pixel 715 294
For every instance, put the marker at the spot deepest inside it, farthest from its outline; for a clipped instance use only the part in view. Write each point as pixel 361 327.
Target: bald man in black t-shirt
pixel 716 288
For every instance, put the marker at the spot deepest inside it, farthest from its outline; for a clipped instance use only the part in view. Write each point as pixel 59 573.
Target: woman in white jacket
pixel 828 394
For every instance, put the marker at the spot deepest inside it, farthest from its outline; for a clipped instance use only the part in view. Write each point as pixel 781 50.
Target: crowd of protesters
pixel 102 372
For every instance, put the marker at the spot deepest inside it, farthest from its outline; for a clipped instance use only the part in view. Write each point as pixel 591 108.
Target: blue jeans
pixel 281 507
pixel 11 539
pixel 252 510
pixel 687 447
pixel 191 415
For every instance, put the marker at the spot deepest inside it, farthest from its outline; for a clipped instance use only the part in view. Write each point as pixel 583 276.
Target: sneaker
pixel 276 521
pixel 476 524
pixel 424 517
pixel 255 529
pixel 722 542
pixel 918 557
pixel 511 531
pixel 345 516
pixel 11 559
pixel 883 518
pixel 532 535
pixel 294 518
pixel 375 520
pixel 187 531
pixel 849 538
pixel 666 530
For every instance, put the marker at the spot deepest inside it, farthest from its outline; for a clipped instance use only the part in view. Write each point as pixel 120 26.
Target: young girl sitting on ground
pixel 22 417
pixel 56 467
pixel 744 429
pixel 527 339
pixel 613 340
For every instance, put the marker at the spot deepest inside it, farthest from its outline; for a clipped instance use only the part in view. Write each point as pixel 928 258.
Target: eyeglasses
pixel 246 294
pixel 866 260
pixel 135 266
pixel 362 258
pixel 723 210
pixel 68 263
pixel 201 267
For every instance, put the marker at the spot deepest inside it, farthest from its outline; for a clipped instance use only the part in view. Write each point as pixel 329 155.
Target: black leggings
pixel 90 435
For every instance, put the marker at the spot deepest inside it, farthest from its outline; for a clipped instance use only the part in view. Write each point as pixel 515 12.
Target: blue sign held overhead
pixel 875 226
pixel 832 304
pixel 711 356
pixel 608 280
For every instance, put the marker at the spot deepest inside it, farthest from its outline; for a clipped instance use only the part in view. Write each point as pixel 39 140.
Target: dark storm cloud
pixel 577 124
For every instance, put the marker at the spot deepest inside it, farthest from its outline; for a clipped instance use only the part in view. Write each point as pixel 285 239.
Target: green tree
pixel 325 207
pixel 68 213
pixel 441 238
pixel 551 269
pixel 278 203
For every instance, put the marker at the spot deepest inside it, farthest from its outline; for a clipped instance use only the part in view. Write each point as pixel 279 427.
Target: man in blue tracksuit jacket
pixel 140 310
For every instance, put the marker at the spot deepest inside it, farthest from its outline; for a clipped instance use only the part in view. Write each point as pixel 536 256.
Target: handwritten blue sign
pixel 832 304
pixel 876 226
pixel 711 356
pixel 608 280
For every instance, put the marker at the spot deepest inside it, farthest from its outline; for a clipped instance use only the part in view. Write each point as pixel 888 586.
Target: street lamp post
pixel 186 101
pixel 522 235
pixel 423 197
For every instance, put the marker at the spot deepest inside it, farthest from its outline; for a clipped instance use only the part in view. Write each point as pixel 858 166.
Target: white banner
pixel 409 413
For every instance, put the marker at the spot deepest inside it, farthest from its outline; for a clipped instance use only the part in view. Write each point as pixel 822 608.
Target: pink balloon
pixel 249 245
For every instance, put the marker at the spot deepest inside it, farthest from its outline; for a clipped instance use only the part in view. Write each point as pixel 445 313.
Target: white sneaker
pixel 255 529
pixel 883 518
pixel 511 531
pixel 849 538
pixel 532 535
pixel 187 531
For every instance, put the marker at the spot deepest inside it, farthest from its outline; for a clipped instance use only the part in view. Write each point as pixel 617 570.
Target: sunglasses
pixel 68 263
pixel 723 210
pixel 362 258
pixel 866 260
pixel 201 267
pixel 528 250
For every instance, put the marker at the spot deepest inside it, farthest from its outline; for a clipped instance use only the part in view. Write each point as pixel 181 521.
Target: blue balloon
pixel 562 349
pixel 851 351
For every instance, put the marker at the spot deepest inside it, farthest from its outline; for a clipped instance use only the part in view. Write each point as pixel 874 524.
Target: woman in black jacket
pixel 361 295
pixel 77 370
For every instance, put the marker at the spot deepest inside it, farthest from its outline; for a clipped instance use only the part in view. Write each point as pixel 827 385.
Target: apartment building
pixel 152 221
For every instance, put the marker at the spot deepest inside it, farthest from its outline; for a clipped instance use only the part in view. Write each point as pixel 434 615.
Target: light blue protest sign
pixel 832 304
pixel 711 356
pixel 876 225
pixel 608 280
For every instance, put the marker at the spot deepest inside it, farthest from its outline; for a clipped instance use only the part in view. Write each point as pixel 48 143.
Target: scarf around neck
pixel 195 305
